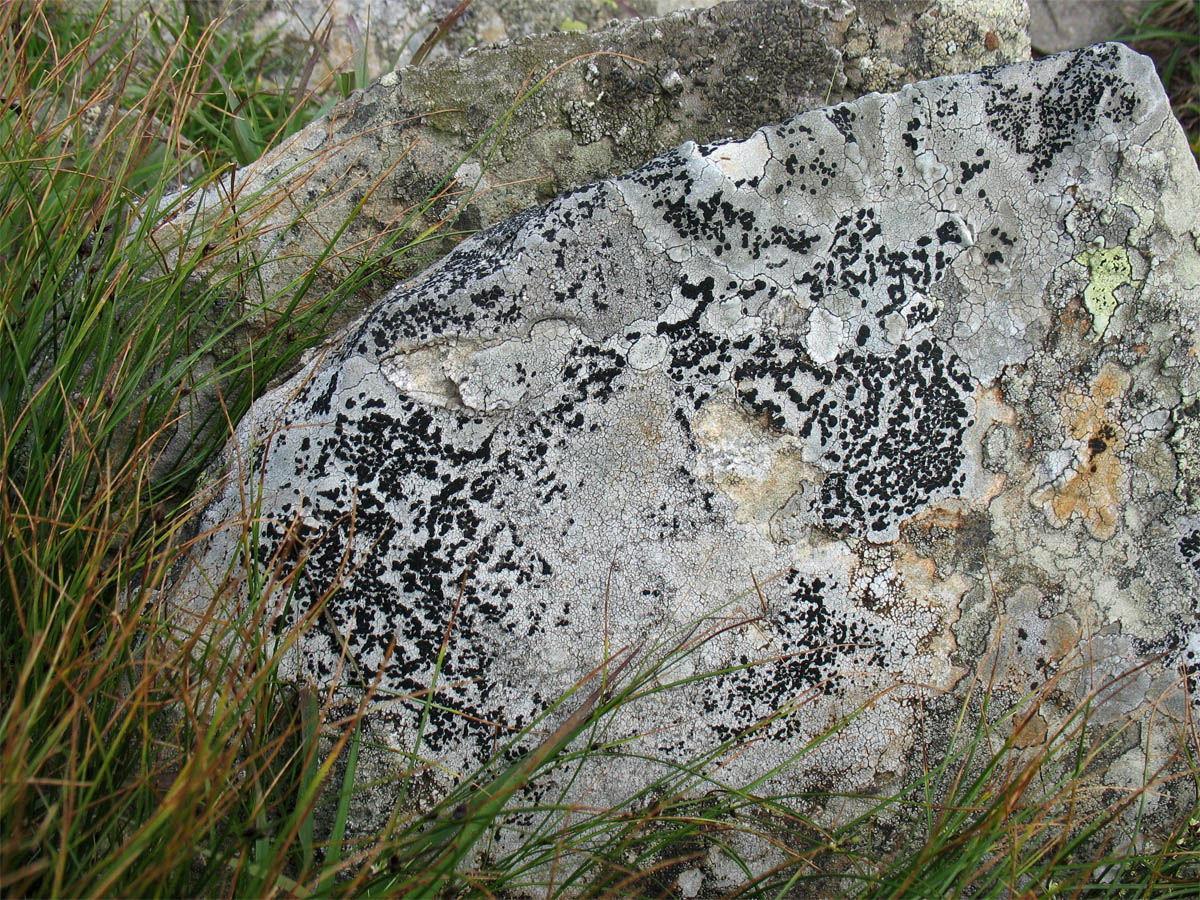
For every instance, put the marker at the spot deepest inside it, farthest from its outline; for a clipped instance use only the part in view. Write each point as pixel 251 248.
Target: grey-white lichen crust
pixel 900 362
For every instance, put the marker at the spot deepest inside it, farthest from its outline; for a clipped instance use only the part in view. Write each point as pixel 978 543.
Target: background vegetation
pixel 1169 32
pixel 141 761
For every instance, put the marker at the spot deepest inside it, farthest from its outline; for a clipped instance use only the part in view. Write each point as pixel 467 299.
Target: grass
pixel 1169 32
pixel 141 761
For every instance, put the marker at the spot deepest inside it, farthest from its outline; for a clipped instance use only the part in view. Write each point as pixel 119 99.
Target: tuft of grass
pixel 994 819
pixel 136 761
pixel 146 754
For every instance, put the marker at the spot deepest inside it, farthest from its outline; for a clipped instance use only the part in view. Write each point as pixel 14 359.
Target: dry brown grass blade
pixel 442 29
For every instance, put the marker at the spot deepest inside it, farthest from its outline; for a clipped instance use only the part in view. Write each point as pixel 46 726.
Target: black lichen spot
pixel 842 118
pixel 911 129
pixel 1189 548
pixel 1041 122
pixel 890 427
pixel 806 641
pixel 1099 441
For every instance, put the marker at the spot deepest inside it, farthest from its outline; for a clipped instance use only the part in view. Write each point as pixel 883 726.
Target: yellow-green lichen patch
pixel 1108 269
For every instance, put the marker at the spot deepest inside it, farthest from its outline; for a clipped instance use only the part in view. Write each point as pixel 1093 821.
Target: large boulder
pixel 848 393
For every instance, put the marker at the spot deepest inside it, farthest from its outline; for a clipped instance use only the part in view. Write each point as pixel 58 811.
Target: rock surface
pixel 607 102
pixel 863 388
pixel 520 124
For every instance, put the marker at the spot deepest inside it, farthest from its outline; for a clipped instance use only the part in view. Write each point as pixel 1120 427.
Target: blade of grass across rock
pixel 338 835
pixel 310 713
pixel 442 29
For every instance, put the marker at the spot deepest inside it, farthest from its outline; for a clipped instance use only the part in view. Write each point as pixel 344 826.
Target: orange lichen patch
pixel 916 570
pixel 1075 320
pixel 919 582
pixel 1060 638
pixel 1094 491
pixel 1031 732
pixel 1093 486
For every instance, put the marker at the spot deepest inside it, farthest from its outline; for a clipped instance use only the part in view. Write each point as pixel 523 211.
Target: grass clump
pixel 142 760
pixel 134 763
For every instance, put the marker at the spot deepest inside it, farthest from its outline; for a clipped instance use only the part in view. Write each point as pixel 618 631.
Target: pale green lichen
pixel 1108 269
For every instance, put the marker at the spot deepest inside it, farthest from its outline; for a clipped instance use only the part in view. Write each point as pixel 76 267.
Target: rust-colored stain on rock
pixel 1031 732
pixel 1092 486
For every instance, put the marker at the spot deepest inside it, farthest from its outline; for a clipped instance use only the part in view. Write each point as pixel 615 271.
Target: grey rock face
pixel 607 102
pixel 520 124
pixel 850 387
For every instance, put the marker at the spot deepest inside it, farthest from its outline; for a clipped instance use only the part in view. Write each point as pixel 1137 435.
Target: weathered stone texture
pixel 1057 25
pixel 387 33
pixel 398 27
pixel 915 365
pixel 520 124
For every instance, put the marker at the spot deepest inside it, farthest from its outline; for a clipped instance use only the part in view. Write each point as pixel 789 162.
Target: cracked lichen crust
pixel 472 141
pixel 842 377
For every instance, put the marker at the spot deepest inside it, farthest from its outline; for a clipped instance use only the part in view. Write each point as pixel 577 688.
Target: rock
pixel 387 33
pixel 898 393
pixel 399 27
pixel 368 172
pixel 518 125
